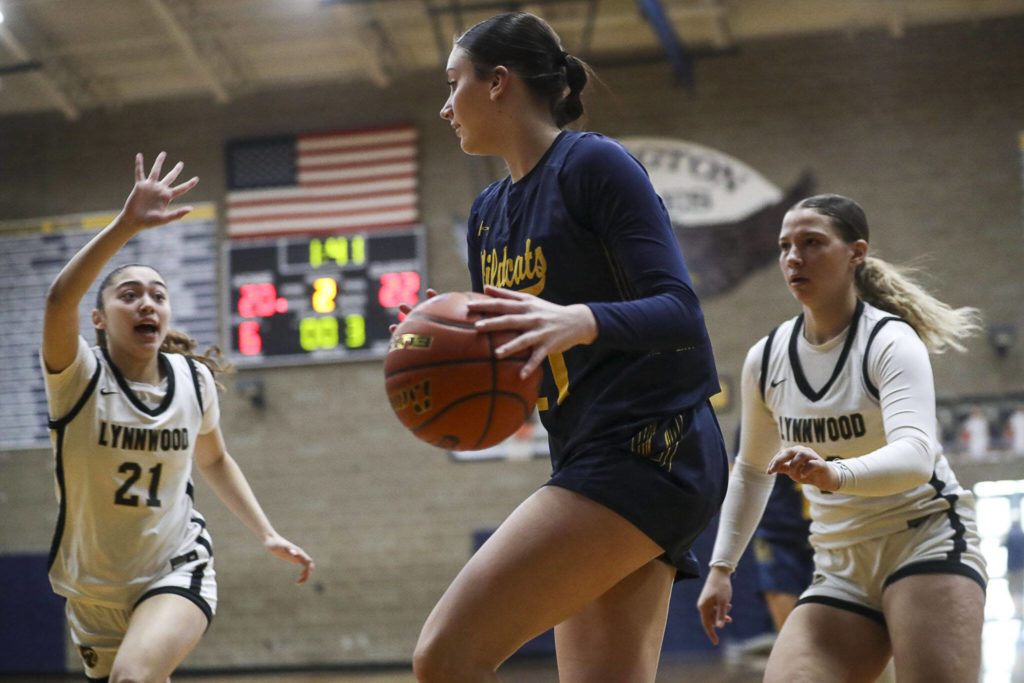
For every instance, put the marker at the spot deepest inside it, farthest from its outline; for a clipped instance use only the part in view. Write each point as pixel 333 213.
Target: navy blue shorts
pixel 783 567
pixel 668 480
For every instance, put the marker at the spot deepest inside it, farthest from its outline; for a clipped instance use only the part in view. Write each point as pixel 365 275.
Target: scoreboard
pixel 320 298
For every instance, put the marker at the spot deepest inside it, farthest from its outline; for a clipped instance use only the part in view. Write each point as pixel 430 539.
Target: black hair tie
pixel 562 59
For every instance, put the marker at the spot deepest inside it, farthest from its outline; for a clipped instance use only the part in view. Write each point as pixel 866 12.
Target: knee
pixel 431 661
pixel 436 660
pixel 135 674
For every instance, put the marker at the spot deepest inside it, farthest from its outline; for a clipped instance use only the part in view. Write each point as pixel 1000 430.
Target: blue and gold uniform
pixel 782 547
pixel 628 417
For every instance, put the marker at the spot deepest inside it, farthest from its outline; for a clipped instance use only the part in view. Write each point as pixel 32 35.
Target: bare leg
pixel 821 644
pixel 780 605
pixel 162 631
pixel 935 622
pixel 618 636
pixel 556 553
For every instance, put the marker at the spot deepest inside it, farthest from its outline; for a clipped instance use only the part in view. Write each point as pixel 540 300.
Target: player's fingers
pixel 531 365
pixel 778 463
pixel 707 620
pixel 140 173
pixel 173 174
pixel 175 214
pixel 184 187
pixel 501 293
pixel 154 173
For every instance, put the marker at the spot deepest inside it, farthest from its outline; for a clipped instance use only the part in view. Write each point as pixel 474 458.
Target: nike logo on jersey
pixel 105 392
pixel 482 229
pixel 778 382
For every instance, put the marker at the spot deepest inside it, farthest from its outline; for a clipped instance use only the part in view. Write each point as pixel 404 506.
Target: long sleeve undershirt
pixel 900 367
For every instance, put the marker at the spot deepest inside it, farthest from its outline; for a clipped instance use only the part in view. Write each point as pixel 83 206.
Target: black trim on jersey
pixel 872 614
pixel 190 491
pixel 202 540
pixel 168 370
pixel 186 593
pixel 195 382
pixel 868 384
pixel 794 358
pixel 935 567
pixel 58 465
pixel 200 522
pixel 89 388
pixel 763 379
pixel 959 542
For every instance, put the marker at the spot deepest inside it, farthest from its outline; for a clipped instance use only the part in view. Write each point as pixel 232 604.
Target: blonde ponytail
pixel 893 289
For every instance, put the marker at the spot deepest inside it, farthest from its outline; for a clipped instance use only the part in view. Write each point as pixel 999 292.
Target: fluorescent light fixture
pixel 1 16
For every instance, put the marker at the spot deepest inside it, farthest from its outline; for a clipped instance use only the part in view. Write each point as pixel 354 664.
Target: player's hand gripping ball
pixel 446 385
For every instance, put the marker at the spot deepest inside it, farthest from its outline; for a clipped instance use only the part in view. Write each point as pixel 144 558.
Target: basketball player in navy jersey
pixel 580 253
pixel 130 554
pixel 841 399
pixel 782 551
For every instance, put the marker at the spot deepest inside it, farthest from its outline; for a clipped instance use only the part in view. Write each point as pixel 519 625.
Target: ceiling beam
pixel 188 49
pixel 47 84
pixel 678 56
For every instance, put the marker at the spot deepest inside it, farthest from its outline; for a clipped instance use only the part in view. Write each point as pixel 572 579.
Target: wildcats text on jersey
pixel 529 268
pixel 821 429
pixel 139 439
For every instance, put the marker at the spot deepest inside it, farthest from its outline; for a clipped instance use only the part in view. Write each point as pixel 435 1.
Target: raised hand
pixel 148 205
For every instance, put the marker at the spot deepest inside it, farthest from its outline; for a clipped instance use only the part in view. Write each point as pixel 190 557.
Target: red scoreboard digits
pixel 297 299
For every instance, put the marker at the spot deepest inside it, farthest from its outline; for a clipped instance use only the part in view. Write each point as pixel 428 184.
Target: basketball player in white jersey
pixel 127 417
pixel 841 399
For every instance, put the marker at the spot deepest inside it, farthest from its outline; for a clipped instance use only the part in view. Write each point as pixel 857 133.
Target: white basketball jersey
pixel 840 417
pixel 123 480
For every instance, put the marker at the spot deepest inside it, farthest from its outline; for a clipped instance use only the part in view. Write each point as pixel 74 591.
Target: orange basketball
pixel 446 385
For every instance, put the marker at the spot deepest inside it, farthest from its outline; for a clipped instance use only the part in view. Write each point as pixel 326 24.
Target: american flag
pixel 322 182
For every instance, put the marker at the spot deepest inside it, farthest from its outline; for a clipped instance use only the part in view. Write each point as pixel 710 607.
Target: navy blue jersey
pixel 786 517
pixel 585 226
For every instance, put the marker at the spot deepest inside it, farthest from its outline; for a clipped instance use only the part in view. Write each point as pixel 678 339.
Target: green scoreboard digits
pixel 320 298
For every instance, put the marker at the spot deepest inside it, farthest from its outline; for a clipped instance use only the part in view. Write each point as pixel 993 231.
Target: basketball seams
pixel 494 386
pixel 453 361
pixel 468 397
pixel 442 321
pixel 464 404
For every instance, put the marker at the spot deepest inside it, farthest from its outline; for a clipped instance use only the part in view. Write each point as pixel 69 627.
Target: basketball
pixel 446 385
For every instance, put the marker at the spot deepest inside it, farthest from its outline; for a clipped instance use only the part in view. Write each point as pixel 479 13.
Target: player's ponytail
pixel 526 45
pixel 570 107
pixel 177 341
pixel 893 288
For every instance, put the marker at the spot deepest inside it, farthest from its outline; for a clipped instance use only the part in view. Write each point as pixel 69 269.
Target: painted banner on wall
pixel 725 214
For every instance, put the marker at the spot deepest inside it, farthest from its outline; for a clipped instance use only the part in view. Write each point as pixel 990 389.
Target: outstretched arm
pixel 147 206
pixel 226 479
pixel 745 499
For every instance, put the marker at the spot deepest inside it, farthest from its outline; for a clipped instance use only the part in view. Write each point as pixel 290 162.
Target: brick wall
pixel 922 130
